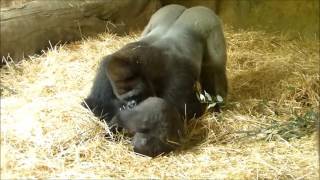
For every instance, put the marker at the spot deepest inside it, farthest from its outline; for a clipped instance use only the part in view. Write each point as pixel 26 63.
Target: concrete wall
pixel 294 17
pixel 212 4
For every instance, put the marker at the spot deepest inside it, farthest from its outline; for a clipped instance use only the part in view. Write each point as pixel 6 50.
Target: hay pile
pixel 266 131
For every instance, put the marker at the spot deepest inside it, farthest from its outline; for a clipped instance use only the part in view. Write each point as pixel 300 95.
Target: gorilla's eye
pixel 130 78
pixel 131 104
pixel 122 91
pixel 125 79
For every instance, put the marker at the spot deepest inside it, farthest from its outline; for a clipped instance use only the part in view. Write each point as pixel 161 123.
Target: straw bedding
pixel 267 129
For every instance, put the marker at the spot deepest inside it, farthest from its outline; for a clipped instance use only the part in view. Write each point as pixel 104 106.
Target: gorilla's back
pixel 161 21
pixel 198 19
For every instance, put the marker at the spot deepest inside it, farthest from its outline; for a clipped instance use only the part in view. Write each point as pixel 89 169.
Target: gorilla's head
pixel 156 124
pixel 129 71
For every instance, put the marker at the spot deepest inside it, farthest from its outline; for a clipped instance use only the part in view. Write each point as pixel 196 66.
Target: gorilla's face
pixel 127 80
pixel 132 89
pixel 149 145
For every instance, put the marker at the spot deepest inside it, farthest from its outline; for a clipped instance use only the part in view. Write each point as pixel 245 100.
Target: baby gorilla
pixel 156 125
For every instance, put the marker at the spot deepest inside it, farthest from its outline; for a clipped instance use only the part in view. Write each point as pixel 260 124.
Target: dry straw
pixel 267 130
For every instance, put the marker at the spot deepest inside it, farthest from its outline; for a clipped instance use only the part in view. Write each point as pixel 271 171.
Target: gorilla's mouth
pixel 152 146
pixel 128 105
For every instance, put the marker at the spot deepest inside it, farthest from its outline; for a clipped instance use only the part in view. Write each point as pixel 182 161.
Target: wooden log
pixel 28 28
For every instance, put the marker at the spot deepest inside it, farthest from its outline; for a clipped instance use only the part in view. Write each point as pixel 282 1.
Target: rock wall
pixel 28 26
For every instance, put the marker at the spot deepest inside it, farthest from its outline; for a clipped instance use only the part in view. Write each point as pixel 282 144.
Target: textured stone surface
pixel 27 28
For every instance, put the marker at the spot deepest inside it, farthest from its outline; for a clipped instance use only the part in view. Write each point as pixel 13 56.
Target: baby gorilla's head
pixel 157 126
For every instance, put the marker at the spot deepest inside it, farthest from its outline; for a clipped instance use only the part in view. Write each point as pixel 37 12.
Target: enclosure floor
pixel 266 130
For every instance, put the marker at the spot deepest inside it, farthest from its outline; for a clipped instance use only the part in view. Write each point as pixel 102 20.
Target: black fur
pixel 156 125
pixel 178 48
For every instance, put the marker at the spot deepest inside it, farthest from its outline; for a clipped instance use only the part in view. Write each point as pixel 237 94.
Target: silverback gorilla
pixel 178 48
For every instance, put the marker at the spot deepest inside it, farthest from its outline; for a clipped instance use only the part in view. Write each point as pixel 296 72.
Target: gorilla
pixel 178 48
pixel 156 125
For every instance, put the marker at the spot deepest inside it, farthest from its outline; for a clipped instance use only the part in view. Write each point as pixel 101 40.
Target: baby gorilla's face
pixel 156 124
pixel 149 145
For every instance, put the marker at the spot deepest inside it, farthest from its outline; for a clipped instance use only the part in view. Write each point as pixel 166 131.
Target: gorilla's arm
pixel 179 90
pixel 213 72
pixel 204 22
